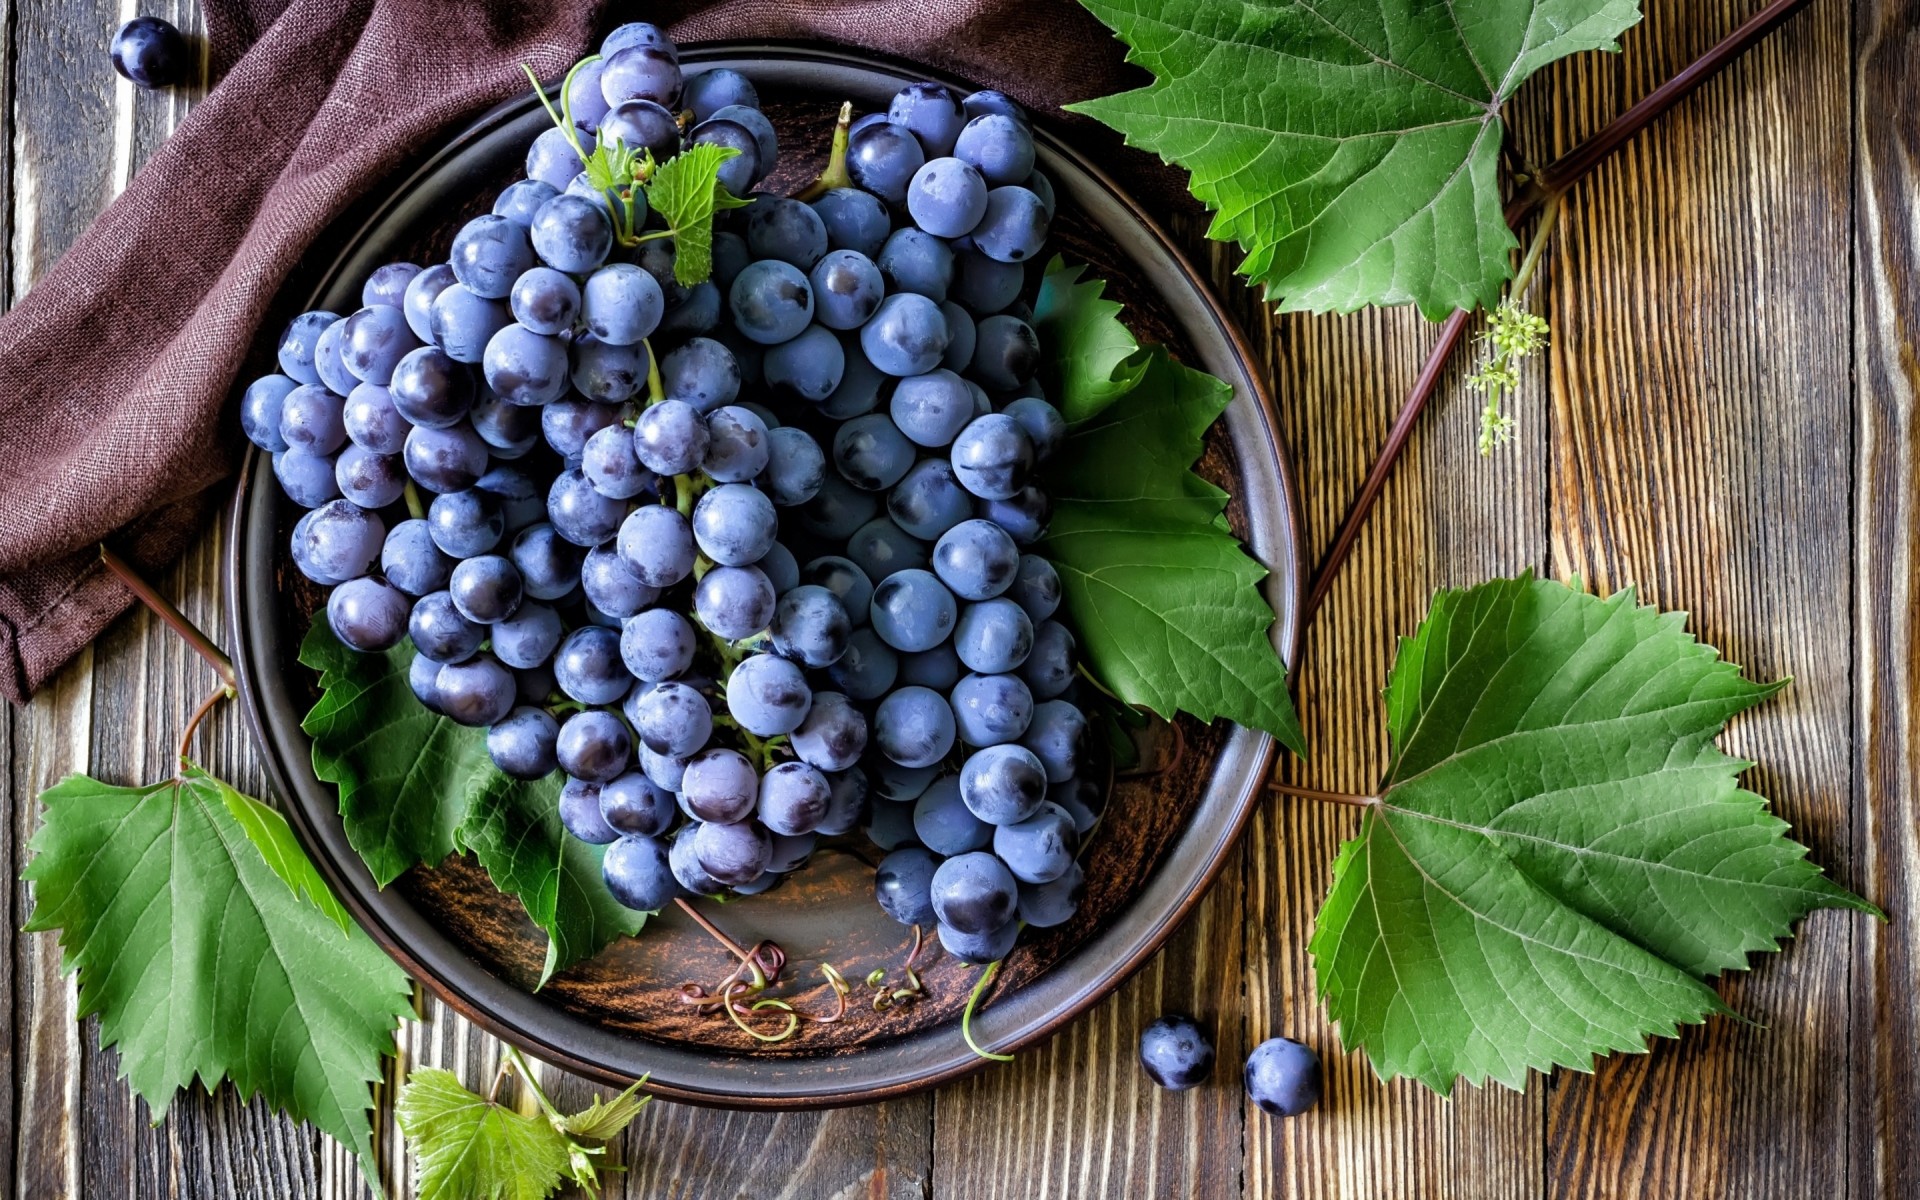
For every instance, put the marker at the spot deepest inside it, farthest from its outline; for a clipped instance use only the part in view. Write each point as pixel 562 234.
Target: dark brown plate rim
pixel 520 1018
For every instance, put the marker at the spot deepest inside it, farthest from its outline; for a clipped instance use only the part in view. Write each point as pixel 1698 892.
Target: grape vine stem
pixel 173 617
pixel 1546 187
pixel 1350 799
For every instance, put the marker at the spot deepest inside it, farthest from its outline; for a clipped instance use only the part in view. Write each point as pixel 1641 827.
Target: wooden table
pixel 1726 419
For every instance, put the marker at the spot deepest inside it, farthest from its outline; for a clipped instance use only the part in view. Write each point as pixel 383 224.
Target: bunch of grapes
pixel 765 588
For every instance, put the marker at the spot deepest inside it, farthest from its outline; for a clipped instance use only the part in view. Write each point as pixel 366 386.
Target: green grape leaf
pixel 1351 148
pixel 468 1148
pixel 1163 598
pixel 604 1120
pixel 416 787
pixel 1560 855
pixel 205 959
pixel 686 192
pixel 1091 359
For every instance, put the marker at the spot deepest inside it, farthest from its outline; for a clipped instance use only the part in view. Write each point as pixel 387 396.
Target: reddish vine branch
pixel 174 618
pixel 1548 184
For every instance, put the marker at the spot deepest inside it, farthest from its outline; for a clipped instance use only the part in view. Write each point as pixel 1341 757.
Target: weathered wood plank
pixel 1699 449
pixel 1884 1105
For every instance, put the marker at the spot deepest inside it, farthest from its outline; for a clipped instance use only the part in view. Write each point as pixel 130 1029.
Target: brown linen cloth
pixel 117 368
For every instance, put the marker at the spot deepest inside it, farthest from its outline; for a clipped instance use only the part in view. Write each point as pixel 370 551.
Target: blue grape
pixel 1006 352
pixel 992 456
pixel 781 569
pixel 1283 1077
pixel 709 91
pixel 1036 588
pixel 588 666
pixel 808 367
pixel 730 257
pixel 517 202
pixel 641 73
pixel 890 826
pixel 568 423
pixel 790 850
pixel 605 372
pixel 1058 738
pixel 871 453
pixel 837 509
pixel 855 220
pixel 445 460
pixel 903 885
pixel 977 560
pixel 373 341
pixel 549 565
pixel 490 252
pixel 1040 848
pixel 635 804
pixel 733 853
pixel 368 479
pixel 486 589
pixel 979 948
pixel 932 408
pixel 368 614
pixel 580 813
pixel 720 785
pixel 509 430
pixel 298 343
pixel 524 367
pixel 311 419
pixel 1046 905
pixel 912 610
pixel 610 584
pixel 522 744
pixel 938 668
pixel 1049 667
pixel 686 868
pixel 1082 798
pixel 260 411
pixel 464 322
pixel 882 548
pixel 848 583
pixel 569 234
pixel 1044 426
pixel 552 160
pixel 387 284
pixel 947 198
pixel 327 363
pixel 991 710
pixel 476 692
pixel 593 745
pixel 734 524
pixel 860 384
pixel 1003 784
pixel 523 499
pixel 999 145
pixel 882 159
pixel 737 447
pixel 983 284
pixel 980 103
pixel 768 695
pixel 637 33
pixel 901 785
pixel 834 734
pixel 670 437
pixel 608 460
pixel 621 304
pixel 1024 515
pixel 545 301
pixel 1013 227
pixel 1176 1053
pixel 336 541
pixel 796 467
pixel 757 123
pixel 848 803
pixel 914 727
pixel 907 336
pixel 929 500
pixel 423 676
pixel 787 230
pixel 584 100
pixel 810 626
pixel 581 513
pixel 703 372
pixel 738 173
pixel 671 718
pixel 642 125
pixel 794 798
pixel 993 636
pixel 465 523
pixel 657 544
pixel 656 645
pixel 917 262
pixel 974 893
pixel 867 668
pixel 428 387
pixel 847 289
pixel 417 304
pixel 771 301
pixel 528 638
pixel 942 821
pixel 637 872
pixel 962 336
pixel 150 53
pixel 931 112
pixel 734 602
pixel 412 562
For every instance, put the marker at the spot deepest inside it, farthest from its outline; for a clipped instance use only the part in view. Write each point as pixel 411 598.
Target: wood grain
pixel 1726 419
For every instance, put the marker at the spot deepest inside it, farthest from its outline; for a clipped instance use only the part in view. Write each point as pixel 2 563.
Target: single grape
pixel 721 785
pixel 641 73
pixel 486 589
pixel 422 291
pixel 796 467
pixel 847 289
pixel 490 252
pixel 657 644
pixel 260 412
pixel 463 322
pixel 327 363
pixel 787 230
pixel 593 745
pixel 588 666
pixel 521 496
pixel 882 158
pixel 703 373
pixel 569 422
pixel 943 822
pixel 976 560
pixel 855 220
pixel 1006 352
pixel 1283 1077
pixel 757 122
pixel 465 523
pixel 890 826
pixel 931 112
pixel 672 719
pixel 993 636
pixel 1058 738
pixel 509 430
pixel 373 342
pixel 641 125
pixel 637 872
pixel 1024 515
pixel 962 335
pixel 767 695
pixel 440 631
pixel 429 388
pixel 861 383
pixel 780 568
pixel 871 453
pixel 670 437
pixel 737 448
pixel 999 145
pixel 311 419
pixel 808 367
pixel 637 33
pixel 992 457
pixel 698 314
pixel 914 727
pixel 867 668
pixel 611 586
pixel 844 578
pixel 947 198
pixel 912 610
pixel 810 626
pixel 522 743
pixel 730 257
pixel 517 202
pixel 990 710
pixel 734 602
pixel 882 548
pixel 709 91
pixel 1040 848
pixel 151 53
pixel 528 638
pixel 524 367
pixel 545 300
pixel 552 160
pixel 979 948
pixel 580 813
pixel 1013 227
pixel 986 285
pixel 411 560
pixel 656 543
pixel 569 234
pixel 298 344
pixel 368 479
pixel 1044 426
pixel 903 884
pixel 635 804
pixel 734 853
pixel 549 565
pixel 771 301
pixel 793 798
pixel 686 868
pixel 734 524
pixel 1045 905
pixel 897 784
pixel 974 893
pixel 387 284
pixel 928 500
pixel 608 460
pixel 980 103
pixel 368 614
pixel 336 541
pixel 1003 784
pixel 790 851
pixel 1049 666
pixel 847 806
pixel 580 512
pixel 834 734
pixel 1176 1053
pixel 938 668
pixel 476 692
pixel 914 261
pixel 621 304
